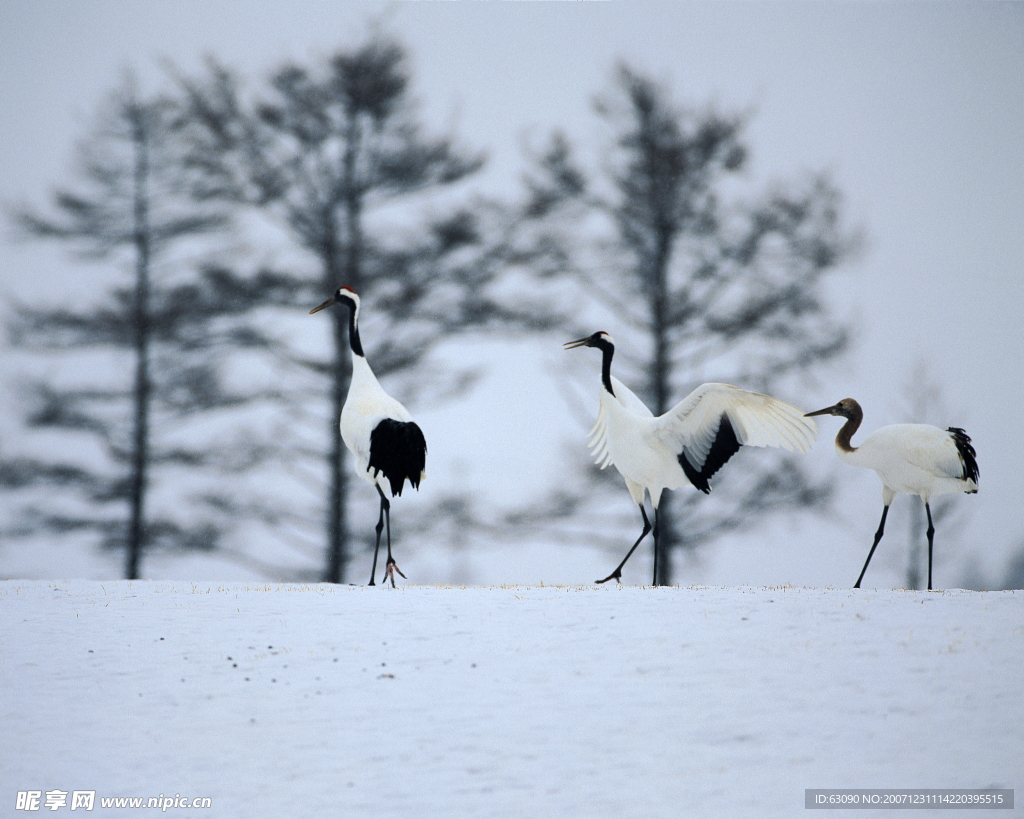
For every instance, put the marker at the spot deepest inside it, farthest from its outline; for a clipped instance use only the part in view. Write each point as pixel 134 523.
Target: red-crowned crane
pixel 916 459
pixel 688 444
pixel 388 446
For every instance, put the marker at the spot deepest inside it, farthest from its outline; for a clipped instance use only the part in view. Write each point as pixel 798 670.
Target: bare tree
pixel 696 286
pixel 335 155
pixel 128 210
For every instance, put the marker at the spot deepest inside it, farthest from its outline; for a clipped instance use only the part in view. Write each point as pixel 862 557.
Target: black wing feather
pixel 968 456
pixel 725 446
pixel 399 450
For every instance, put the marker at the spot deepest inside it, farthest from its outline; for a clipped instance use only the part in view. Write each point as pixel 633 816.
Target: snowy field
pixel 288 701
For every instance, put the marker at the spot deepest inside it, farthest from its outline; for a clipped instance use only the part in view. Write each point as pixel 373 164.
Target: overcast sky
pixel 917 111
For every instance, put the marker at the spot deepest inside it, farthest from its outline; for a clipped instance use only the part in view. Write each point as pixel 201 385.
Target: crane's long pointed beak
pixel 570 345
pixel 825 411
pixel 320 307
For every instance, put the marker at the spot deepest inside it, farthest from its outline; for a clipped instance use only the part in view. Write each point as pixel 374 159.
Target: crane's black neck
pixel 353 330
pixel 607 351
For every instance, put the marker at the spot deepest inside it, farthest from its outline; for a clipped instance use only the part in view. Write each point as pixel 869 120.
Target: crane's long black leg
pixel 380 528
pixel 878 537
pixel 390 567
pixel 617 574
pixel 931 534
pixel 654 582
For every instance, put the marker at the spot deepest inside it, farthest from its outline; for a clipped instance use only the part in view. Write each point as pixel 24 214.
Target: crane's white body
pixel 388 446
pixel 645 449
pixel 365 407
pixel 688 444
pixel 914 459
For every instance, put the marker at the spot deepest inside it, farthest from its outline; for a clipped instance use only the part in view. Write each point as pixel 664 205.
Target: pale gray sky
pixel 917 110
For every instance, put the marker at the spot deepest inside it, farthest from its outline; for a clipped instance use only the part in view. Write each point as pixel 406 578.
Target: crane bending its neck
pixel 851 411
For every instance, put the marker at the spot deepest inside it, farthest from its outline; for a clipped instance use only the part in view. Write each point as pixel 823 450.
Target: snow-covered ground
pixel 288 700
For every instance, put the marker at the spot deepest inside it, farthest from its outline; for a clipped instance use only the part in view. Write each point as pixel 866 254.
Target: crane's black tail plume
pixel 967 454
pixel 399 450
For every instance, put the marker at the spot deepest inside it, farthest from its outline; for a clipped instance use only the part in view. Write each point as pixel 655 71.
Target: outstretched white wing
pixel 692 426
pixel 598 435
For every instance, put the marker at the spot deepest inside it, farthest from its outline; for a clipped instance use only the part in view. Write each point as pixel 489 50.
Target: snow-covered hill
pixel 285 700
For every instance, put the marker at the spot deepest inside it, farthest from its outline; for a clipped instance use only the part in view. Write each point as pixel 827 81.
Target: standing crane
pixel 388 446
pixel 916 459
pixel 688 444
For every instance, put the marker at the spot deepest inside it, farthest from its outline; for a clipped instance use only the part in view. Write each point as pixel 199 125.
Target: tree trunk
pixel 337 535
pixel 916 512
pixel 142 387
pixel 337 491
pixel 661 382
pixel 338 546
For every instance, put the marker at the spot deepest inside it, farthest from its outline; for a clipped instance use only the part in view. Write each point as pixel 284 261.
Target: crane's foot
pixel 616 576
pixel 389 572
